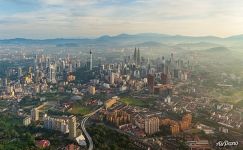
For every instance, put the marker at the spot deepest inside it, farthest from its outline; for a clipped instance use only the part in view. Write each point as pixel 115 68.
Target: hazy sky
pixel 89 18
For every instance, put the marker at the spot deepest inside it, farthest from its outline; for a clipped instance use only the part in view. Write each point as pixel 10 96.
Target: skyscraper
pixel 35 114
pixel 5 82
pixel 36 62
pixel 20 73
pixel 112 78
pixel 37 76
pixel 151 81
pixel 30 70
pixel 70 67
pixel 163 78
pixel 138 57
pixel 163 65
pixel 91 61
pixel 52 73
pixel 72 127
pixel 135 56
pixel 172 57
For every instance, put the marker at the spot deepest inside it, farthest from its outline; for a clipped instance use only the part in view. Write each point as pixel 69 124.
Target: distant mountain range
pixel 217 49
pixel 144 39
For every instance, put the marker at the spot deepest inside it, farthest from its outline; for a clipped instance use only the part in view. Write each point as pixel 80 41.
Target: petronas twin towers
pixel 136 56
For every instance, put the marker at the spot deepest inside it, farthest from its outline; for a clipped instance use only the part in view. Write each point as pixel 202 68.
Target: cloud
pixel 69 18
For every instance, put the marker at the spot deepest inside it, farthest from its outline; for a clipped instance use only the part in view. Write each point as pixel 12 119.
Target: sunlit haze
pixel 92 18
pixel 121 74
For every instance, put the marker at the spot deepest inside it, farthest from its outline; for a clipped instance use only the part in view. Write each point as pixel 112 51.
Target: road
pixel 91 144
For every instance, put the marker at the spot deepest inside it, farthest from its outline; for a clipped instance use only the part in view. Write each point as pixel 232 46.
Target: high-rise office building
pixel 37 76
pixel 30 69
pixel 135 55
pixel 176 73
pixel 35 114
pixel 72 127
pixel 70 67
pixel 172 57
pixel 5 82
pixel 138 57
pixel 164 79
pixel 112 78
pixel 36 62
pixel 151 80
pixel 52 73
pixel 20 73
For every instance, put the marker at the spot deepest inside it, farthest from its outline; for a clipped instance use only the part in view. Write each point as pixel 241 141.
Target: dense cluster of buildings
pixel 177 126
pixel 38 77
pixel 118 117
pixel 147 121
pixel 196 143
pixel 111 102
pixel 157 78
pixel 57 123
pixel 64 124
pixel 134 73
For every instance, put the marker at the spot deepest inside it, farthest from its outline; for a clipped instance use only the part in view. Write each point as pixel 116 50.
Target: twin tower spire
pixel 136 56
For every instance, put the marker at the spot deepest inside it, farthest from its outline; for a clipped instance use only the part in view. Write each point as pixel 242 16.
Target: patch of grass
pixel 55 96
pixel 80 110
pixel 230 96
pixel 240 103
pixel 136 101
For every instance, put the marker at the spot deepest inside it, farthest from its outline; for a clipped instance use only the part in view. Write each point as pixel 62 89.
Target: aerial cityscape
pixel 121 75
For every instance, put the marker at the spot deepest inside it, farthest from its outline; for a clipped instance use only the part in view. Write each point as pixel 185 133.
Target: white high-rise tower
pixel 72 127
pixel 91 61
pixel 52 73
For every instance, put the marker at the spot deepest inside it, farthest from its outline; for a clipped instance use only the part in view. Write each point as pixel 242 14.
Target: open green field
pixel 233 96
pixel 136 102
pixel 221 67
pixel 240 103
pixel 55 96
pixel 80 110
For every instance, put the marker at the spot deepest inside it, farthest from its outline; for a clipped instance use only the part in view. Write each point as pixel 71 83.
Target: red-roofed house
pixel 43 143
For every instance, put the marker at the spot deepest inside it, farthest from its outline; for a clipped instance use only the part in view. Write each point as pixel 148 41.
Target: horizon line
pixel 114 35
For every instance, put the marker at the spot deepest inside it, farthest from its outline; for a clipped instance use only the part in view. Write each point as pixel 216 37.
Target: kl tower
pixel 91 61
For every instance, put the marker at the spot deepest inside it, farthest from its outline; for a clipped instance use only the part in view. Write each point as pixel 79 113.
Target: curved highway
pixel 91 144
